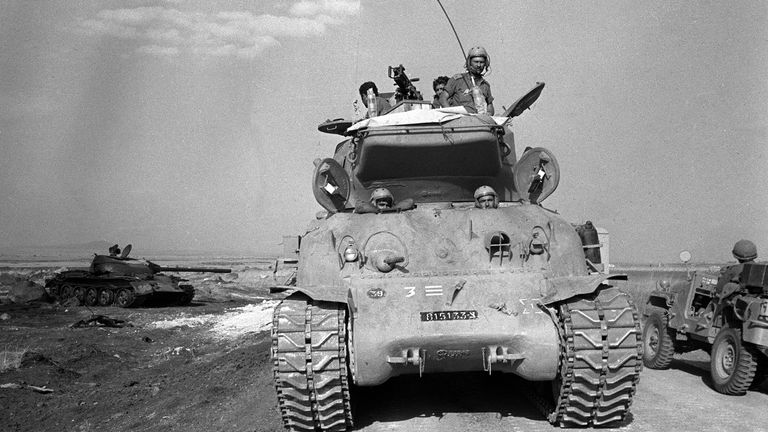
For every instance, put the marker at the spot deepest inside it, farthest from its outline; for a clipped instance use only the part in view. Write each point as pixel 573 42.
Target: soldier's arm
pixel 489 101
pixel 448 91
pixel 443 97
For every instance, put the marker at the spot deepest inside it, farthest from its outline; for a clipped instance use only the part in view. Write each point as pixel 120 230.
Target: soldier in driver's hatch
pixel 485 198
pixel 744 251
pixel 470 89
pixel 382 105
pixel 382 199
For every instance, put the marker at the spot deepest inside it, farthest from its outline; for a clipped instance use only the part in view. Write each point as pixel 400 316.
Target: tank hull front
pixel 451 323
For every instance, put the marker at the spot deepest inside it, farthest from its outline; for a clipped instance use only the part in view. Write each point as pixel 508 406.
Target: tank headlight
pixel 351 253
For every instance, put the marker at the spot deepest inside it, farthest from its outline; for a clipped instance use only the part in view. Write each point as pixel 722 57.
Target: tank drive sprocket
pixel 309 358
pixel 600 361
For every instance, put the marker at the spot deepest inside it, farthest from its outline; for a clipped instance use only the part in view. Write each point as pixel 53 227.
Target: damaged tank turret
pixel 441 282
pixel 125 282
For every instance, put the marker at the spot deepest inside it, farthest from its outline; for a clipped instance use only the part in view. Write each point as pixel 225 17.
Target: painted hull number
pixel 376 293
pixel 449 315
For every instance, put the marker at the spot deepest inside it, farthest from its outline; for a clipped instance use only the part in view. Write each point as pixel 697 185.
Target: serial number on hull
pixel 449 315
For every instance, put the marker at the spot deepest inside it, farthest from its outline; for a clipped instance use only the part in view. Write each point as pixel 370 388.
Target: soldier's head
pixel 478 60
pixel 744 251
pixel 382 198
pixel 439 83
pixel 485 197
pixel 364 91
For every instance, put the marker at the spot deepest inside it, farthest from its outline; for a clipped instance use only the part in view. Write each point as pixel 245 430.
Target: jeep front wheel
pixel 658 346
pixel 732 365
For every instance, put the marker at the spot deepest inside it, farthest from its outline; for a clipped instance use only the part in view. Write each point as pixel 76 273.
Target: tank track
pixel 601 357
pixel 63 291
pixel 309 357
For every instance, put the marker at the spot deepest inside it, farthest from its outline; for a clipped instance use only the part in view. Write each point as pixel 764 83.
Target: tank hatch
pixel 536 174
pixel 330 185
pixel 524 102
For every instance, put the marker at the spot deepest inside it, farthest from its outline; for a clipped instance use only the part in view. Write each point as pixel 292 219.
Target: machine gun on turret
pixel 405 88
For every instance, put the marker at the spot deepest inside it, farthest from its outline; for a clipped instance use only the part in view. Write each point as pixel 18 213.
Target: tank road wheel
pixel 91 297
pixel 66 292
pixel 53 290
pixel 138 300
pixel 186 297
pixel 106 297
pixel 124 298
pixel 309 357
pixel 79 294
pixel 601 356
pixel 658 345
pixel 732 365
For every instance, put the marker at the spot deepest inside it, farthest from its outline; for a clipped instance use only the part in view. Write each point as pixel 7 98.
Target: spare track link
pixel 309 358
pixel 600 361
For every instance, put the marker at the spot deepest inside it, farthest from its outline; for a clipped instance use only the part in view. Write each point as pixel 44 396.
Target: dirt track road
pixel 187 377
pixel 677 399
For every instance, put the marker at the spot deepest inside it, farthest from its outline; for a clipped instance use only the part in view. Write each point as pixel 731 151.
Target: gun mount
pixel 405 88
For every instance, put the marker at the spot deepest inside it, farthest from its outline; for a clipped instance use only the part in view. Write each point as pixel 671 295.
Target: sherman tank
pixel 436 283
pixel 115 279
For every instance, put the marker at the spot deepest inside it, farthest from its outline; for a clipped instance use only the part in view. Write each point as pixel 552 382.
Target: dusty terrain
pixel 206 367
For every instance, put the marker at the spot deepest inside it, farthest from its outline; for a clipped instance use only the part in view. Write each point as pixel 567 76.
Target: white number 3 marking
pixel 411 291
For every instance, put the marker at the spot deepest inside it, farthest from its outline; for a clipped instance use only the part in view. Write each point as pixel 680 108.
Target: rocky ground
pixel 206 367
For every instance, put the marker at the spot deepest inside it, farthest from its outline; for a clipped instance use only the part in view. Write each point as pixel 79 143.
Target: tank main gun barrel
pixel 196 269
pixel 158 268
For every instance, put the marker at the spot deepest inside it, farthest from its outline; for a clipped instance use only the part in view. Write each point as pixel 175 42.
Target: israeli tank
pixel 117 280
pixel 437 285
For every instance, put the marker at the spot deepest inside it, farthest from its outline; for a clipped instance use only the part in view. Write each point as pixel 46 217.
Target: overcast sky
pixel 192 124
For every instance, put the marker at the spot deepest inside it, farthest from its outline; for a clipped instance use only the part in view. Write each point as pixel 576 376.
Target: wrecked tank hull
pixel 435 283
pixel 122 291
pixel 125 282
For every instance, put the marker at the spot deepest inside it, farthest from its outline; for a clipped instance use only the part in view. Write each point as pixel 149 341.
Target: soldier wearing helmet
pixel 744 251
pixel 485 197
pixel 470 89
pixel 382 199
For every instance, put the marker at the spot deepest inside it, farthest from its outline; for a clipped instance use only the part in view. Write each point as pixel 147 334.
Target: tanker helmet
pixel 382 198
pixel 478 51
pixel 485 197
pixel 744 250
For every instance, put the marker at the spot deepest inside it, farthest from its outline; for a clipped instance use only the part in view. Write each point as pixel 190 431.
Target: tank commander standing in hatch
pixel 369 92
pixel 485 198
pixel 438 85
pixel 470 89
pixel 744 251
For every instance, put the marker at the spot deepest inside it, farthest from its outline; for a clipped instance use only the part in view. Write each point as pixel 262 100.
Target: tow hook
pixel 411 356
pixel 498 354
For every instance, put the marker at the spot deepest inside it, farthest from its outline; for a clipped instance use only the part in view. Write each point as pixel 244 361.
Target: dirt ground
pixel 206 367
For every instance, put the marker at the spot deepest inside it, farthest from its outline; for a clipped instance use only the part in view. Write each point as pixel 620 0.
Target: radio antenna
pixel 452 28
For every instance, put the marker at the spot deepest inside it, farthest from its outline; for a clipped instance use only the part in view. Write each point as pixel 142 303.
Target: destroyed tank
pixel 435 284
pixel 124 282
